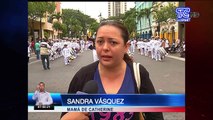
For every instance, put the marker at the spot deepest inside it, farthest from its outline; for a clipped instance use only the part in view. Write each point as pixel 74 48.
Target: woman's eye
pixel 99 41
pixel 113 43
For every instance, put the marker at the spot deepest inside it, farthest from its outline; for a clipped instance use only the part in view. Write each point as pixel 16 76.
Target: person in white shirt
pixel 95 56
pixel 82 43
pixel 41 96
pixel 66 52
pixel 29 51
pixel 132 47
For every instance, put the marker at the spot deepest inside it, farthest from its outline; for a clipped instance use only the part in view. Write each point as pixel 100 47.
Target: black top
pixel 86 73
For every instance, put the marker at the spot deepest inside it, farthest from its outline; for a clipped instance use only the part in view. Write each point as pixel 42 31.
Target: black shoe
pixel 45 68
pixel 48 68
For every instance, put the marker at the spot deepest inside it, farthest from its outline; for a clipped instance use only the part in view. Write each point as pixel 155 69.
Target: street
pixel 168 76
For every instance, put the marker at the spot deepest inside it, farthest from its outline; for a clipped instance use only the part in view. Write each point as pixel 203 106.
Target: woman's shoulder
pixel 89 68
pixel 141 67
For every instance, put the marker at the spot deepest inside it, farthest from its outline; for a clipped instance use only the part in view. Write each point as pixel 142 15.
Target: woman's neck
pixel 109 70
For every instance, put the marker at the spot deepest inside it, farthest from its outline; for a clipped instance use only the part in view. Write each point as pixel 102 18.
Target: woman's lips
pixel 106 57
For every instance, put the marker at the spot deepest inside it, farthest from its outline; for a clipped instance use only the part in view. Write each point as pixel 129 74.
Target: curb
pixel 177 58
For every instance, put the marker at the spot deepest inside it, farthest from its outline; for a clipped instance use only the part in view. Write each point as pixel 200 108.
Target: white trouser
pixel 66 60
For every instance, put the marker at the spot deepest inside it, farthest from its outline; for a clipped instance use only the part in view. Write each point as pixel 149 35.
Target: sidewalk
pixel 176 56
pixel 33 59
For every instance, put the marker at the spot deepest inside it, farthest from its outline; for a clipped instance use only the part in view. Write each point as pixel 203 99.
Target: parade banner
pixel 111 103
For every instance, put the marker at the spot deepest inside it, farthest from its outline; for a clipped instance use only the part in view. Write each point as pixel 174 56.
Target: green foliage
pixel 77 22
pixel 39 9
pixel 129 20
pixel 117 18
pixel 93 27
pixel 46 35
pixel 57 26
pixel 145 13
pixel 64 30
pixel 165 13
pixel 56 16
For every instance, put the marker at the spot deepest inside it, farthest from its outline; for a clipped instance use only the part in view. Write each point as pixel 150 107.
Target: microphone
pixel 91 87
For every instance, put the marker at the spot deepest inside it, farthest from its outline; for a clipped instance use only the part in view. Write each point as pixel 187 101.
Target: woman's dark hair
pixel 124 33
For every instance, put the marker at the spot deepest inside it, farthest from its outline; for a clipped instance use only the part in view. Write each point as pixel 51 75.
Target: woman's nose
pixel 106 46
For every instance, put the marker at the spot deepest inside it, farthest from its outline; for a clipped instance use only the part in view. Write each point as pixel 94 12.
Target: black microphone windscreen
pixel 91 87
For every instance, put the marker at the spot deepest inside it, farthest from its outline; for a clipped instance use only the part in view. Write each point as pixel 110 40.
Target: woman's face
pixel 110 46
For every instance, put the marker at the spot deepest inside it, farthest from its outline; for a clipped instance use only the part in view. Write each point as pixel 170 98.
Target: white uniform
pixel 132 47
pixel 82 42
pixel 95 57
pixel 66 53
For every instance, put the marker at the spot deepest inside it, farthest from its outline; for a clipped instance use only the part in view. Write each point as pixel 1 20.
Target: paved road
pixel 168 76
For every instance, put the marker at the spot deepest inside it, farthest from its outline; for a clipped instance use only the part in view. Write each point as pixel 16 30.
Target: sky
pixel 93 9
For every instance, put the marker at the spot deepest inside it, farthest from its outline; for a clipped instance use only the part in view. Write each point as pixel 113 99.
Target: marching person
pixel 66 52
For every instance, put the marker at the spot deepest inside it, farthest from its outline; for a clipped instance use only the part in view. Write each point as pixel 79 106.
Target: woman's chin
pixel 106 62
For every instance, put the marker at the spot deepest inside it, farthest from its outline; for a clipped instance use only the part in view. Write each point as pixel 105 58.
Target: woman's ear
pixel 127 46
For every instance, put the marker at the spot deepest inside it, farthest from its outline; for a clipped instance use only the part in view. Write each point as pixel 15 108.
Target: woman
pixel 113 73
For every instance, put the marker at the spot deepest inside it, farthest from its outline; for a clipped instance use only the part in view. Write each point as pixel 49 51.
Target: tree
pixel 64 30
pixel 93 27
pixel 77 22
pixel 46 34
pixel 146 13
pixel 117 18
pixel 40 9
pixel 164 14
pixel 129 20
pixel 57 26
pixel 56 16
pixel 139 16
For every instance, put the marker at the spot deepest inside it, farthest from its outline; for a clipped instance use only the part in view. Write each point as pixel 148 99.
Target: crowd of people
pixel 155 48
pixel 47 50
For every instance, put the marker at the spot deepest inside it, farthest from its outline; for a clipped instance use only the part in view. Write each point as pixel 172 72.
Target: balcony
pixel 43 20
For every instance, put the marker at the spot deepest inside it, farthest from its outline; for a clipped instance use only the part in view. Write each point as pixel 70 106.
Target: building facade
pixel 46 25
pixel 116 8
pixel 144 24
pixel 169 29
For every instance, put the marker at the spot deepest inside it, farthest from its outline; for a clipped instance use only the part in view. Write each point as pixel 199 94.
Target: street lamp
pixel 100 17
pixel 69 32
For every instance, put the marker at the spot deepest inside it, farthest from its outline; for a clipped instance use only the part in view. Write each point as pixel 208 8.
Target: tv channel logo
pixel 183 14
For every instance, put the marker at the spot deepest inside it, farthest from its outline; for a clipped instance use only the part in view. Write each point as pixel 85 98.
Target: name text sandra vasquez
pixel 117 101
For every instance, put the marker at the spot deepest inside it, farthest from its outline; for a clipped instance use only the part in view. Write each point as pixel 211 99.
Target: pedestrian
pixel 66 52
pixel 113 73
pixel 41 96
pixel 44 51
pixel 32 45
pixel 37 49
pixel 29 51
